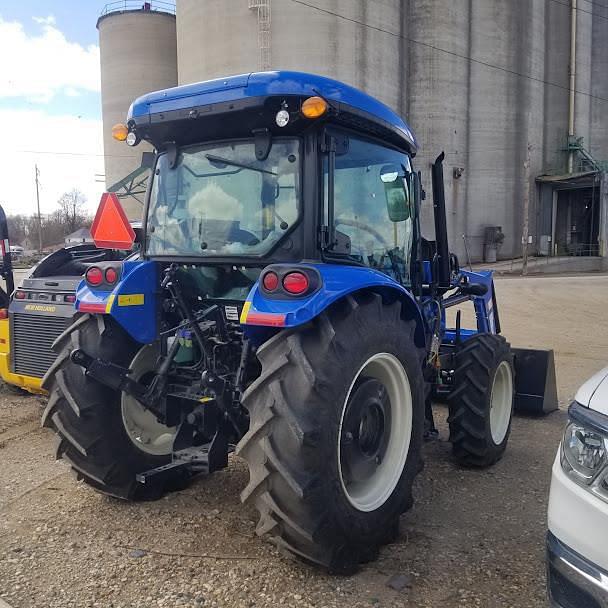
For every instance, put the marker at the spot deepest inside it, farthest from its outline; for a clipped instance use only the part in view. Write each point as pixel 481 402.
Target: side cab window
pixel 373 205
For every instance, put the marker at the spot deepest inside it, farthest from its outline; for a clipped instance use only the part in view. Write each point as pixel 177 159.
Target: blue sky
pixel 77 21
pixel 50 104
pixel 75 18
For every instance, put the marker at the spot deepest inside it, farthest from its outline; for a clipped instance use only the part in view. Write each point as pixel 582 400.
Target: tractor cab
pixel 284 305
pixel 286 167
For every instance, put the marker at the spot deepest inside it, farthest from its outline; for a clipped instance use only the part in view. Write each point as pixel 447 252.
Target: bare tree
pixel 18 226
pixel 71 210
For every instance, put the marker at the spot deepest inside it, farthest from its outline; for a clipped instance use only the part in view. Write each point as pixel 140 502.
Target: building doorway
pixel 577 222
pixel 570 216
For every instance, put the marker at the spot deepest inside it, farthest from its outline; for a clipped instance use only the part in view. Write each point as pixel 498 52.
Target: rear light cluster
pixel 295 283
pixel 96 276
pixel 70 298
pixel 270 281
pixel 111 275
pixel 286 281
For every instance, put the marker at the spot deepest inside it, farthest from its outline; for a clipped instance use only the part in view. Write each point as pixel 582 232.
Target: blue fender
pixel 132 302
pixel 337 281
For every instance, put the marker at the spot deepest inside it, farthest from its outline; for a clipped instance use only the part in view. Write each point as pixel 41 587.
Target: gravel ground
pixel 474 538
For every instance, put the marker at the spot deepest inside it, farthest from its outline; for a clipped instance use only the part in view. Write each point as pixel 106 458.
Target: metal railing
pixel 474 255
pixel 576 249
pixel 158 6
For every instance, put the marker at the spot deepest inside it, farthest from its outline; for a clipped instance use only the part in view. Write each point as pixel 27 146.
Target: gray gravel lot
pixel 474 538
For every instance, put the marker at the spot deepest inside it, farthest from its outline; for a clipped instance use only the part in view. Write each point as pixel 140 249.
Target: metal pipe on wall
pixel 572 95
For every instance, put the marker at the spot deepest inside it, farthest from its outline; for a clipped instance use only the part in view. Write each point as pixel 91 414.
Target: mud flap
pixel 535 384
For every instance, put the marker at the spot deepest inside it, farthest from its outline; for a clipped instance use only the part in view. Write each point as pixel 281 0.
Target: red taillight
pixel 3 313
pixel 94 276
pixel 270 281
pixel 295 283
pixel 111 275
pixel 20 295
pixel 69 298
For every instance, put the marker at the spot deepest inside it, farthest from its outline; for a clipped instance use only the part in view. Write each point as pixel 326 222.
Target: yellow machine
pixel 28 383
pixel 24 381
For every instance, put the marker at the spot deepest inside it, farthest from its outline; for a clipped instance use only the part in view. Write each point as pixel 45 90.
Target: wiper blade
pixel 226 161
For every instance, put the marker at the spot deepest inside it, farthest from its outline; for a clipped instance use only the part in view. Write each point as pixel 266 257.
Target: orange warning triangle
pixel 111 227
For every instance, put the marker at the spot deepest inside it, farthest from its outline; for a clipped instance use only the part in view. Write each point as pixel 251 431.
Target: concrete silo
pixel 138 54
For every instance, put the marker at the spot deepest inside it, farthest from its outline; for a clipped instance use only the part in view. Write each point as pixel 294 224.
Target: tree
pixel 18 226
pixel 70 213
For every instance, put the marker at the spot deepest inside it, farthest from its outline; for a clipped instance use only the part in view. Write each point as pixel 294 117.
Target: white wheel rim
pixel 501 402
pixel 141 425
pixel 372 493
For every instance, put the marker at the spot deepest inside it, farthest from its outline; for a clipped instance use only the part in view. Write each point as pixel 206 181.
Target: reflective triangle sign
pixel 111 227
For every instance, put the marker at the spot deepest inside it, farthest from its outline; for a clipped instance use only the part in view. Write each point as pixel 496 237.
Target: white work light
pixel 132 139
pixel 282 118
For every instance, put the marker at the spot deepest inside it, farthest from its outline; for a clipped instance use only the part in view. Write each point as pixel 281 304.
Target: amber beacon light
pixel 314 107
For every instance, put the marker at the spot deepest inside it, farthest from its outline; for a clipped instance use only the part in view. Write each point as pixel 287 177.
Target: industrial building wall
pixel 217 38
pixel 138 55
pixel 480 79
pixel 598 142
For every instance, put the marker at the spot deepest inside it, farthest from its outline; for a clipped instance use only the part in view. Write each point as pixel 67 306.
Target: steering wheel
pixel 356 224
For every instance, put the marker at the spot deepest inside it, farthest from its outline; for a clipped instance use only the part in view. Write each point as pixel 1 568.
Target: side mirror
pixel 396 193
pixel 139 234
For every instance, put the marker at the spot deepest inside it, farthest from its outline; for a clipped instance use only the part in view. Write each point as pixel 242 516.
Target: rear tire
pixel 88 417
pixel 325 494
pixel 481 403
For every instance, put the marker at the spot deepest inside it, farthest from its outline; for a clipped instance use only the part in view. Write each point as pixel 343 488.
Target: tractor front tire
pixel 89 418
pixel 336 424
pixel 481 402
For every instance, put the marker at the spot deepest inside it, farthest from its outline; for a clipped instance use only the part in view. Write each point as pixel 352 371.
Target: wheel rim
pixel 501 402
pixel 141 425
pixel 375 432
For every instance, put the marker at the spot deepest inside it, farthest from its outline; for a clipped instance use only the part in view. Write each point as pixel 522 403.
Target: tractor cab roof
pixel 190 113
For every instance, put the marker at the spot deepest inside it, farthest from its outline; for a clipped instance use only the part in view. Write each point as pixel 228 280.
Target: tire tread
pixel 469 400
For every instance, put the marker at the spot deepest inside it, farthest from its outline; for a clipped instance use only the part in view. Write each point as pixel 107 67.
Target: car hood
pixel 594 393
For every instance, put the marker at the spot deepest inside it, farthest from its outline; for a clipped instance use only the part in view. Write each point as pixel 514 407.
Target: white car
pixel 577 540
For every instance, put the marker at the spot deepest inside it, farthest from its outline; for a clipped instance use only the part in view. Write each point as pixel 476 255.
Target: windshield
pixel 219 200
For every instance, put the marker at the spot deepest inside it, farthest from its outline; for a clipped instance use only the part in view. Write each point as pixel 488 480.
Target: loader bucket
pixel 535 385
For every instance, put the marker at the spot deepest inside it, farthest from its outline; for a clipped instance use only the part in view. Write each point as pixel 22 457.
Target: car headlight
pixel 584 453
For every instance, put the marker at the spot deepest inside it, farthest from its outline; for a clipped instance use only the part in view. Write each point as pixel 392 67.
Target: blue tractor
pixel 286 307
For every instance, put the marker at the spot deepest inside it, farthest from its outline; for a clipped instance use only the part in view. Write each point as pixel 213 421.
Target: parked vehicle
pixel 577 540
pixel 287 302
pixel 34 315
pixel 16 252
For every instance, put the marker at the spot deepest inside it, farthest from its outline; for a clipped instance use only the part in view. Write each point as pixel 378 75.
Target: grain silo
pixel 137 43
